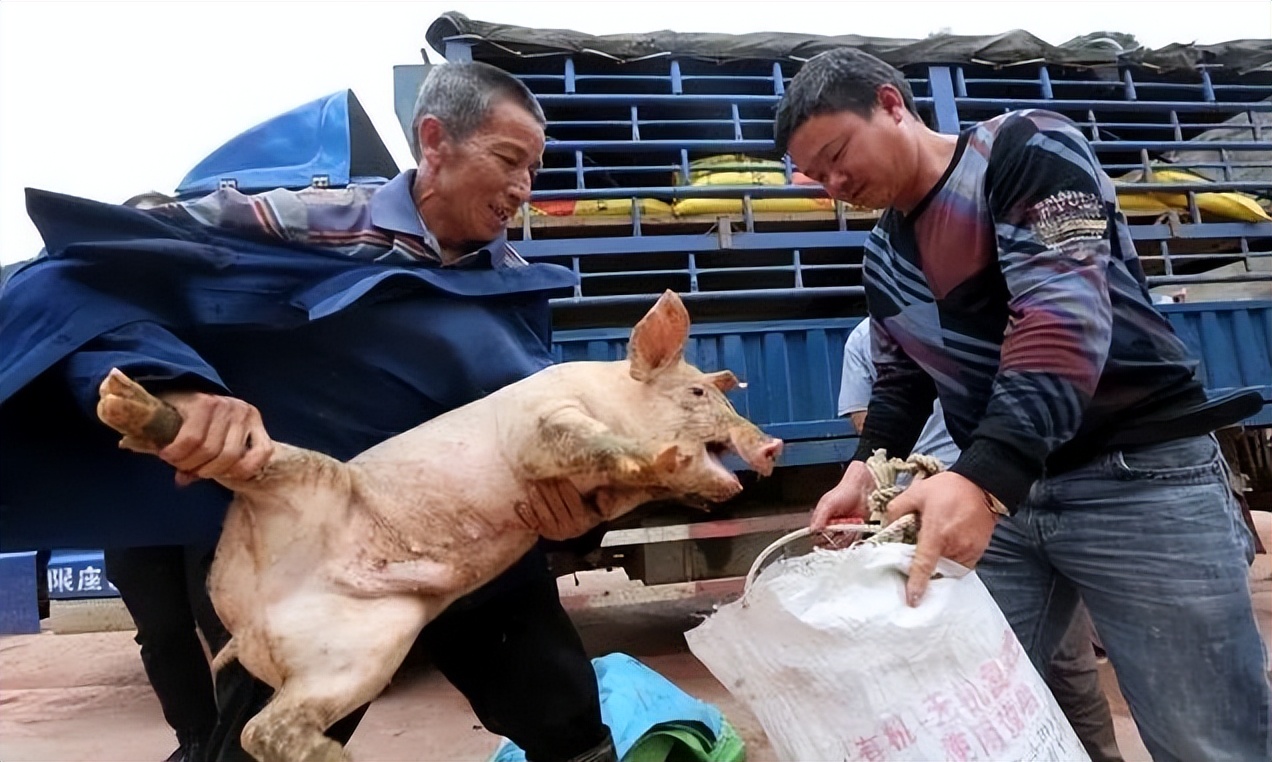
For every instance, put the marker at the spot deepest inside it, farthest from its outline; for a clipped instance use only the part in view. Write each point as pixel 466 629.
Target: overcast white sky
pixel 106 99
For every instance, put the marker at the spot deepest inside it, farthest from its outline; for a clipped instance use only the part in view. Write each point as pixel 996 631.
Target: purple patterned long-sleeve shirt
pixel 1014 293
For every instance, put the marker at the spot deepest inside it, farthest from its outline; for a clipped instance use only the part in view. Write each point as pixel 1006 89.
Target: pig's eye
pixel 698 391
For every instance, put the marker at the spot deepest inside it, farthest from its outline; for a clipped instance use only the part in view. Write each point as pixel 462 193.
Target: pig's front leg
pixel 570 443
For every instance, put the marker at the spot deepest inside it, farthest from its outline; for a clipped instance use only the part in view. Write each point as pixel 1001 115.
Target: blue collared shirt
pixel 376 223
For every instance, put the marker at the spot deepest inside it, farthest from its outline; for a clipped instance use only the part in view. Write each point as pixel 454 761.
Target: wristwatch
pixel 994 504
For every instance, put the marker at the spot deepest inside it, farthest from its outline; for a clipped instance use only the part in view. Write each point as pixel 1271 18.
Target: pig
pixel 326 572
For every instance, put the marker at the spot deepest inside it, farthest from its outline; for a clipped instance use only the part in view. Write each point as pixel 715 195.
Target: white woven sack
pixel 825 652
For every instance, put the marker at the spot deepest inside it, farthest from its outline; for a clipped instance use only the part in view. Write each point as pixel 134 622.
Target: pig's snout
pixel 759 450
pixel 767 456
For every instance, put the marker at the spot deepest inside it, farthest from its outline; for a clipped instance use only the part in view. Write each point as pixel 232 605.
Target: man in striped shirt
pixel 1002 280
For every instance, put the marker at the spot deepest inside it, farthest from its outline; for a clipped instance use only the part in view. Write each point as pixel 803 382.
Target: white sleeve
pixel 859 371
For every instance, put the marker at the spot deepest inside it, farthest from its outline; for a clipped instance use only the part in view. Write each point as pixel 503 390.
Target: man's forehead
pixel 510 134
pixel 817 132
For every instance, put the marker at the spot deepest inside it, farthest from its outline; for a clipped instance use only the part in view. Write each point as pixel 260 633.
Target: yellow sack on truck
pixel 737 169
pixel 1227 205
pixel 607 207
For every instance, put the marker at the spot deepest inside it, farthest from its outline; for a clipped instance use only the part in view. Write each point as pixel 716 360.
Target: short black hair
pixel 843 79
pixel 460 95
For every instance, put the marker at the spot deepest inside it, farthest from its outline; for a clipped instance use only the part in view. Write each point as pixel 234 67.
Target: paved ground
pixel 66 697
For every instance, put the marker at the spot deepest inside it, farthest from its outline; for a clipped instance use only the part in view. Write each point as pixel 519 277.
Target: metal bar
pixel 688 191
pixel 701 271
pixel 714 296
pixel 677 87
pixel 569 75
pixel 1044 81
pixel 584 335
pixel 1202 231
pixel 708 591
pixel 1161 280
pixel 628 146
pixel 568 123
pixel 579 178
pixel 621 78
pixel 1171 145
pixel 944 102
pixel 810 240
pixel 705 530
pixel 600 99
pixel 1207 87
pixel 779 85
pixel 1105 105
pixel 458 51
pixel 646 146
pixel 715 77
pixel 816 191
pixel 586 247
pixel 1129 85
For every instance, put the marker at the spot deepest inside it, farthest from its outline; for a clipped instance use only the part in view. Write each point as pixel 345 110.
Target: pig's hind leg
pixel 337 653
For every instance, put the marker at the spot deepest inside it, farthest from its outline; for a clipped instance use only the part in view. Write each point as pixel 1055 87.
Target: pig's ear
pixel 723 380
pixel 658 340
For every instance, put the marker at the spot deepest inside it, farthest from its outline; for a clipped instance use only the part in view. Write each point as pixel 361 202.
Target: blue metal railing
pixel 628 133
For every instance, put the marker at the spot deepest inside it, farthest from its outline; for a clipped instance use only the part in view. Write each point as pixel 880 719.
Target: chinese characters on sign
pixel 85 579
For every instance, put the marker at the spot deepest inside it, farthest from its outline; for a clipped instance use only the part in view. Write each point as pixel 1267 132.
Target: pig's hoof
pixel 327 752
pixel 321 749
pixel 147 423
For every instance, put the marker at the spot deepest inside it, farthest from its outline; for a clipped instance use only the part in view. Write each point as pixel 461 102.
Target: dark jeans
pixel 163 589
pixel 1152 542
pixel 1074 679
pixel 509 648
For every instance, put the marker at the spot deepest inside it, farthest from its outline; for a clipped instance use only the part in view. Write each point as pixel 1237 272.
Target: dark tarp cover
pixel 1099 49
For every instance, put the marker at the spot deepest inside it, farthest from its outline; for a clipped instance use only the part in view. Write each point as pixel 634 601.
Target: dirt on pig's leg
pixel 572 443
pixel 290 729
pixel 334 653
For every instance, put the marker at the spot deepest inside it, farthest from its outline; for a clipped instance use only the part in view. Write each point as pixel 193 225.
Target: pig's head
pixel 681 405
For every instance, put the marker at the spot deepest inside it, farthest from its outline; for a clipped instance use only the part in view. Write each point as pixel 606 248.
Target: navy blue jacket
pixel 337 354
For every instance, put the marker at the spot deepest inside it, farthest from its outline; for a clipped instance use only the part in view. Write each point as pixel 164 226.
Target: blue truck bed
pixel 774 294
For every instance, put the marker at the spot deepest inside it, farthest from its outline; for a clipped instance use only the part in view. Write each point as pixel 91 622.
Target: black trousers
pixel 509 648
pixel 164 589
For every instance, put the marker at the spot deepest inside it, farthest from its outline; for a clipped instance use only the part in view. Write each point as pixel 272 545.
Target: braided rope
pixel 885 471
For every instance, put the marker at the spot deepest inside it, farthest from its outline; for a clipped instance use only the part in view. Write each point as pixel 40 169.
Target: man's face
pixel 866 162
pixel 486 177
